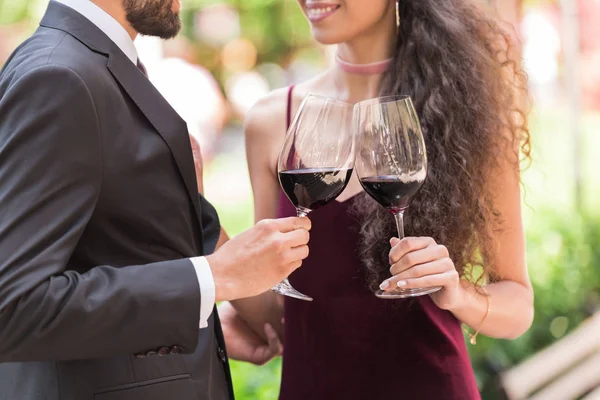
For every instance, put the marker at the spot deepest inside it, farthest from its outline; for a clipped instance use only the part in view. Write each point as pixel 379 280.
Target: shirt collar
pixel 106 24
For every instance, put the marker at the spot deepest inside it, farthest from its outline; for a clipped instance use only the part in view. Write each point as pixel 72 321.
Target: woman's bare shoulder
pixel 268 115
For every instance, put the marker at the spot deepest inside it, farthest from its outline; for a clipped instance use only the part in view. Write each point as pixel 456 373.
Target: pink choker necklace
pixel 375 68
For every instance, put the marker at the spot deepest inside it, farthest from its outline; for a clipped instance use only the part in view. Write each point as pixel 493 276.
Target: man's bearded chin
pixel 152 17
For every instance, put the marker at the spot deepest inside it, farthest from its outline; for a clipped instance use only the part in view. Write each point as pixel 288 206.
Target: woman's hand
pixel 197 163
pixel 243 344
pixel 419 262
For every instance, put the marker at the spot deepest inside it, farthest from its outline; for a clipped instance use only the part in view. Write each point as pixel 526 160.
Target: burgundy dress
pixel 348 344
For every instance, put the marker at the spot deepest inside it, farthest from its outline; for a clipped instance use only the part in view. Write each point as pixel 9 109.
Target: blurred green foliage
pixel 564 261
pixel 12 12
pixel 256 383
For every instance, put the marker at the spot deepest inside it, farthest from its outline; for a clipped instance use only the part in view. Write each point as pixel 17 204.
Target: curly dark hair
pixel 454 61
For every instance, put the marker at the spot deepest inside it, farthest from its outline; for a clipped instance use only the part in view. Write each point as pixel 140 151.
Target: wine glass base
pixel 404 293
pixel 284 288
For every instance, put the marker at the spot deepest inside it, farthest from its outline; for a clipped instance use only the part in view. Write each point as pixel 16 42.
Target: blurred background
pixel 233 52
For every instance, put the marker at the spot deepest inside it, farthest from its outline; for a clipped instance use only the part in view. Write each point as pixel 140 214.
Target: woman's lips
pixel 317 12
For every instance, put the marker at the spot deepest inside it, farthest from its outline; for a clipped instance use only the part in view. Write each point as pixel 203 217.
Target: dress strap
pixel 289 107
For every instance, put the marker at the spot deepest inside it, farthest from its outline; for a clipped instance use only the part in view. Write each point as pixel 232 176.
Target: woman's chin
pixel 327 38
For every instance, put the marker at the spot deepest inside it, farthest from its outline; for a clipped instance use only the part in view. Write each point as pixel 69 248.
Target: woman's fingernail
pixel 401 283
pixel 384 285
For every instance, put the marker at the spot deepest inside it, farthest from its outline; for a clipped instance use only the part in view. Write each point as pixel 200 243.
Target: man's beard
pixel 152 17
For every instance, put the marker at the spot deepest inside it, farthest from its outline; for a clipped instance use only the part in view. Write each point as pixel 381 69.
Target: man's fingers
pixel 299 237
pixel 296 255
pixel 292 223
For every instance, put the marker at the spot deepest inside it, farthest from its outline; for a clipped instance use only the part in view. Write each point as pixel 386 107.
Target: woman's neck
pixel 358 82
pixel 367 49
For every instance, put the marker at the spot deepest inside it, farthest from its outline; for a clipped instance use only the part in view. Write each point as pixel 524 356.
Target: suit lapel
pixel 169 125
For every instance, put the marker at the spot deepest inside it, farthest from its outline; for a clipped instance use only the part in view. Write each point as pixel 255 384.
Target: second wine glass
pixel 317 160
pixel 391 162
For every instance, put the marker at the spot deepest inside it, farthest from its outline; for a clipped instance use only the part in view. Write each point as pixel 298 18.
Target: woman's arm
pixel 511 293
pixel 420 262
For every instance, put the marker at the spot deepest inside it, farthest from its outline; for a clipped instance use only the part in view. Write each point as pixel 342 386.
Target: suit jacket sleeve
pixel 50 181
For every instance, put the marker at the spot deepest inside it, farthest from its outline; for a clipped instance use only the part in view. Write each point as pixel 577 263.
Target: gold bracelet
pixel 473 336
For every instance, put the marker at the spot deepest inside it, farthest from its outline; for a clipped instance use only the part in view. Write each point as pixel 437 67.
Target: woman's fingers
pixel 428 254
pixel 408 245
pixel 444 279
pixel 421 275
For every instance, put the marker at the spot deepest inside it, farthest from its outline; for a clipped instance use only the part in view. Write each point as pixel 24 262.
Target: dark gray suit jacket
pixel 99 214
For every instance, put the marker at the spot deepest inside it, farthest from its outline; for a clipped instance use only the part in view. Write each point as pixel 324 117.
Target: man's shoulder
pixel 53 49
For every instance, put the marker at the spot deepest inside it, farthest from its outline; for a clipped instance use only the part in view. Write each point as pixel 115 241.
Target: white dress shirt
pixel 117 33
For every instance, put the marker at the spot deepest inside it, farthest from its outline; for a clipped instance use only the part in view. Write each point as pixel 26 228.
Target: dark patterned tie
pixel 142 67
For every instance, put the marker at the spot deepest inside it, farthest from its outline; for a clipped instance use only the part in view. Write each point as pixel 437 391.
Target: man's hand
pixel 259 258
pixel 242 343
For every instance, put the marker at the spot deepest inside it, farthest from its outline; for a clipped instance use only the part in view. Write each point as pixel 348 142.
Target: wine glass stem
pixel 400 224
pixel 301 213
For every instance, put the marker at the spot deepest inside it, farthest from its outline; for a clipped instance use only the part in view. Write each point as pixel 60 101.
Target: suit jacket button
pixel 163 351
pixel 221 353
pixel 175 350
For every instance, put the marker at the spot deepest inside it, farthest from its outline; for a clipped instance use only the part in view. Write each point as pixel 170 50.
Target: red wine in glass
pixel 392 192
pixel 312 188
pixel 391 162
pixel 316 160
